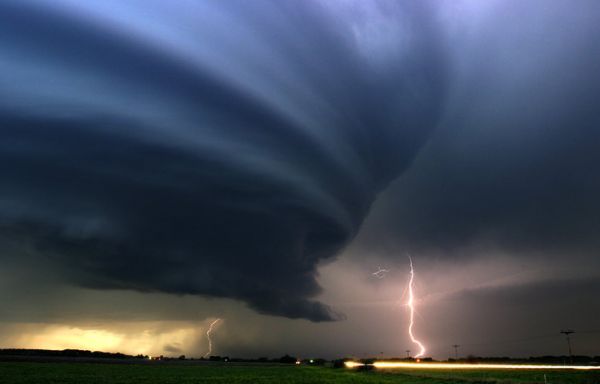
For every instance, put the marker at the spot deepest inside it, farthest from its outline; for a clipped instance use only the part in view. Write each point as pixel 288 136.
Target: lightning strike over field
pixel 208 332
pixel 411 305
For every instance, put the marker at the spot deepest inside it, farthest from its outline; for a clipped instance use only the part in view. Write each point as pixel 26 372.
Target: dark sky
pixel 164 164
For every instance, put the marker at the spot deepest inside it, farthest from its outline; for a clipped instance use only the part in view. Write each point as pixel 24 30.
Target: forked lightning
pixel 411 305
pixel 208 332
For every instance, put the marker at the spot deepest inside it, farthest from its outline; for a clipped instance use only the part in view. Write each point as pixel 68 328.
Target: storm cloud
pixel 213 148
pixel 513 166
pixel 230 149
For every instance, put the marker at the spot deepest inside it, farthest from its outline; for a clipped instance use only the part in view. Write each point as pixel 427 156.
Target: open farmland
pixel 82 373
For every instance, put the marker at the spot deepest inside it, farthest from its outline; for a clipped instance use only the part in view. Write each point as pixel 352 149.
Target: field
pixel 83 373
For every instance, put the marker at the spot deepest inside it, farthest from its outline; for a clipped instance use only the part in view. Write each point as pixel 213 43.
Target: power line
pixel 530 339
pixel 455 346
pixel 568 332
pixel 533 338
pixel 588 332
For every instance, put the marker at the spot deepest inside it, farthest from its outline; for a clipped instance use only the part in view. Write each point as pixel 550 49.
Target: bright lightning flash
pixel 411 305
pixel 208 332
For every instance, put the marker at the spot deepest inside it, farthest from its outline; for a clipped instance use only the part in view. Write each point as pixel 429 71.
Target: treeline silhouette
pixel 78 353
pixel 288 359
pixel 67 353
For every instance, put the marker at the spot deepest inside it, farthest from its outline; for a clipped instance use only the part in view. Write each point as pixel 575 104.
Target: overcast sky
pixel 165 164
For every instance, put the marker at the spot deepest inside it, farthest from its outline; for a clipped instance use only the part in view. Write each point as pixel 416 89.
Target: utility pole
pixel 408 353
pixel 455 346
pixel 567 332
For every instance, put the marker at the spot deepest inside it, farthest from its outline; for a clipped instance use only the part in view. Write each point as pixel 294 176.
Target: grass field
pixel 81 373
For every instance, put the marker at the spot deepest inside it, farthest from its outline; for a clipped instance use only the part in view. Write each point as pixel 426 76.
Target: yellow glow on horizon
pixel 133 338
pixel 76 338
pixel 409 365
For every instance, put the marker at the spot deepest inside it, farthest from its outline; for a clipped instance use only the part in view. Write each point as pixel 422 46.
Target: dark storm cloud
pixel 219 149
pixel 515 164
pixel 531 316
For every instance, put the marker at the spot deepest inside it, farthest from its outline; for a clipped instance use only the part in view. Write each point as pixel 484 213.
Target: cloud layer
pixel 219 149
pixel 513 166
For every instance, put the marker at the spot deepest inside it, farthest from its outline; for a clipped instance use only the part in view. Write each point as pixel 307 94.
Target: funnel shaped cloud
pixel 210 148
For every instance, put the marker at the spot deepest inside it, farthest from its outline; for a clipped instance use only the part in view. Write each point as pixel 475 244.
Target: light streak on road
pixel 458 366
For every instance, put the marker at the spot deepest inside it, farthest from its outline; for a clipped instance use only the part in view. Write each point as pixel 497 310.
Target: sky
pixel 166 164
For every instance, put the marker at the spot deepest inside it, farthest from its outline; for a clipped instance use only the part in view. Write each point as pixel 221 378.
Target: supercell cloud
pixel 211 148
pixel 227 149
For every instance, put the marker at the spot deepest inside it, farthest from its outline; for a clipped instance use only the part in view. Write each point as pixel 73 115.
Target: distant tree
pixel 317 361
pixel 287 359
pixel 339 363
pixel 472 358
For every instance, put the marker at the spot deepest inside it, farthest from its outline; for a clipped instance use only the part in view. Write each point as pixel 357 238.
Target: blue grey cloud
pixel 513 167
pixel 212 148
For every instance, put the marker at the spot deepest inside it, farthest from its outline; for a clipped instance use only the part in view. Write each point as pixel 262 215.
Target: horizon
pixel 84 353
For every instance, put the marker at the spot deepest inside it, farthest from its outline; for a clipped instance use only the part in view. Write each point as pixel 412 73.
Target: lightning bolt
pixel 208 332
pixel 411 305
pixel 380 274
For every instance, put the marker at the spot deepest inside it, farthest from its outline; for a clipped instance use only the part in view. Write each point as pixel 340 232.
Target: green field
pixel 81 373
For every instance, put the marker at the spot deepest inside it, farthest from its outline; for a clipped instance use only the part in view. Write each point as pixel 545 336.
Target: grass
pixel 82 373
pixel 503 376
